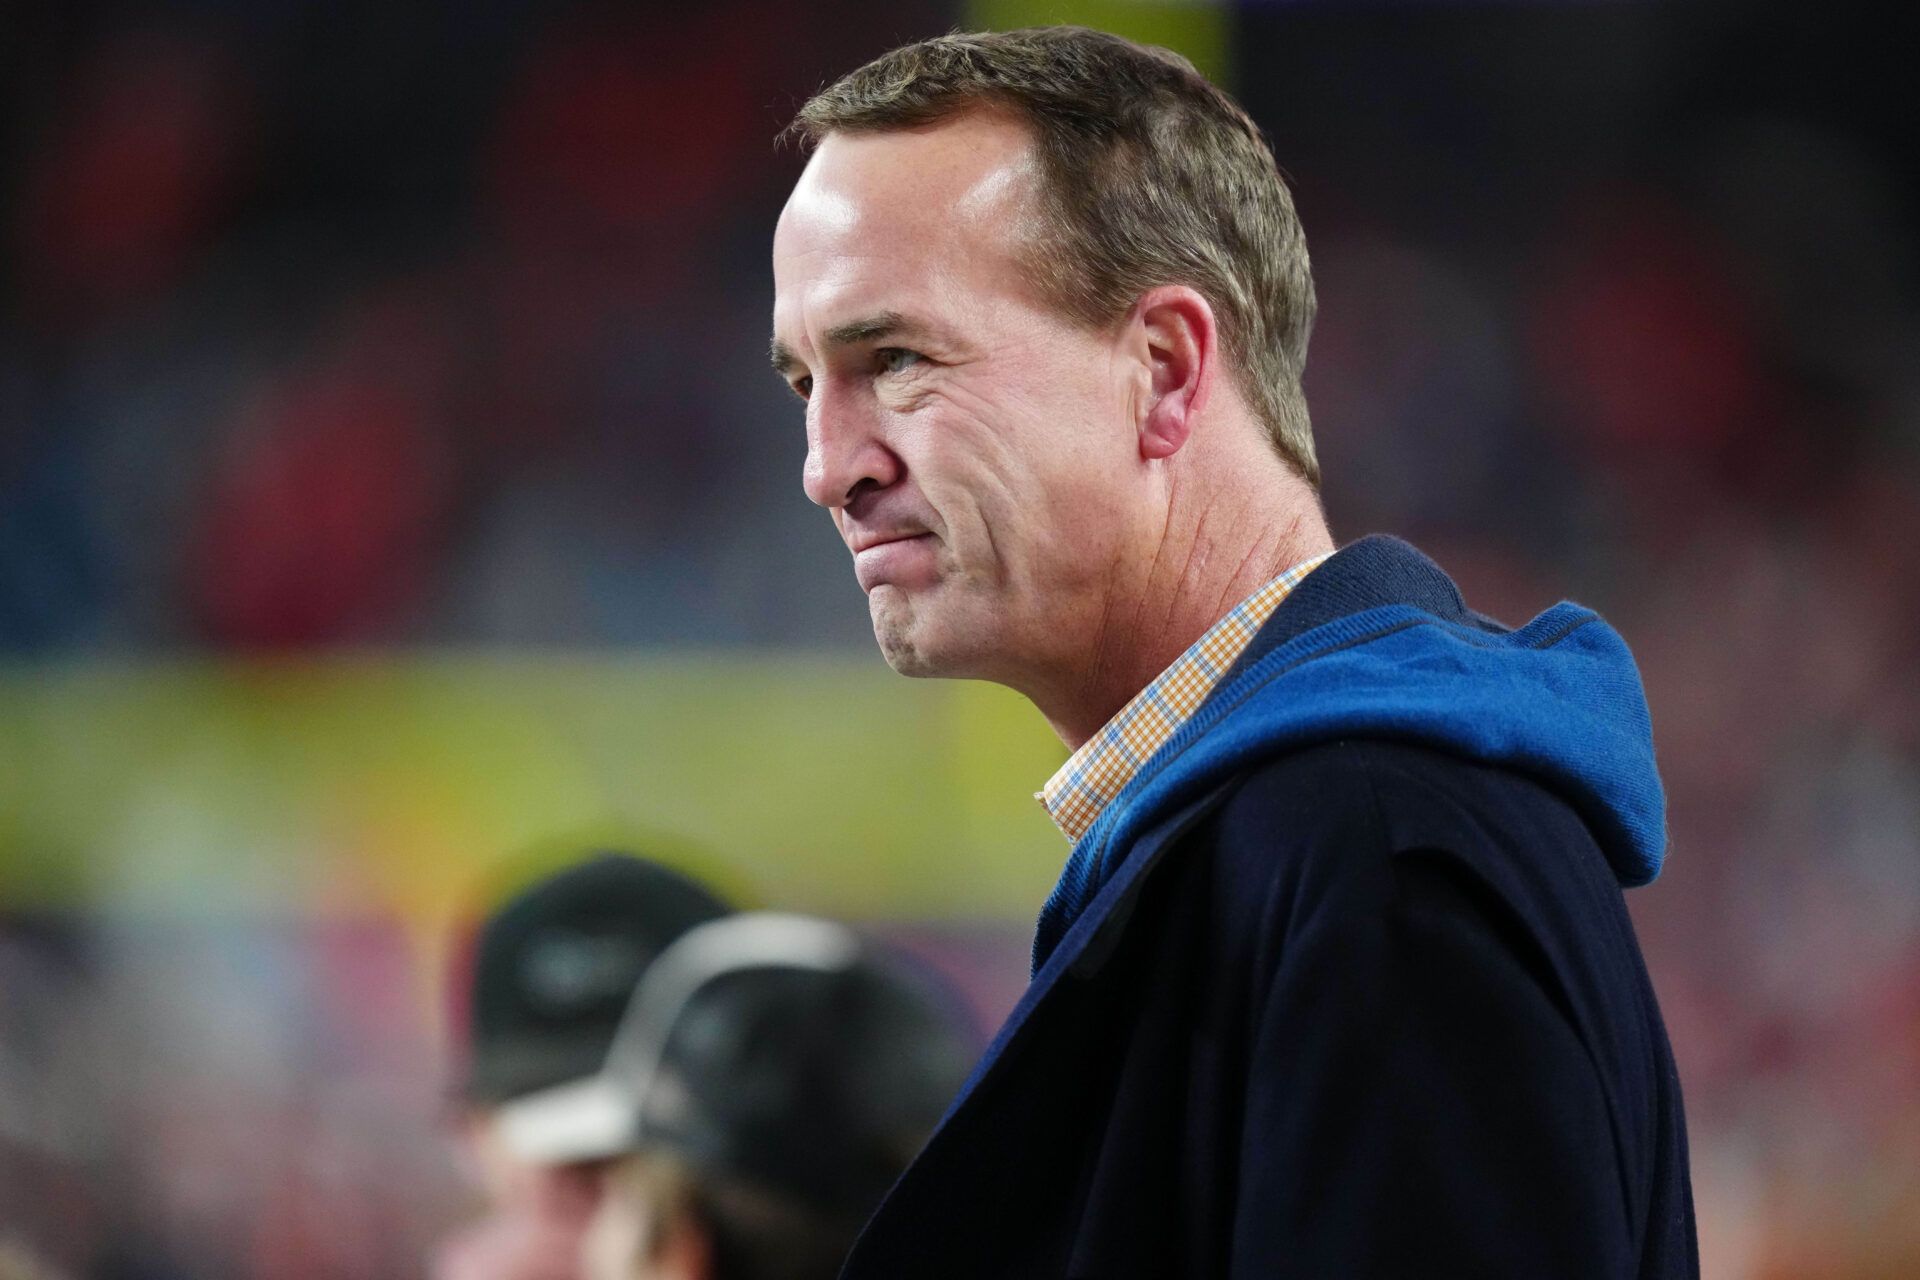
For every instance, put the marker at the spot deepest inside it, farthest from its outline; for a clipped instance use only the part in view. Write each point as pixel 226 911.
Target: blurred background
pixel 393 499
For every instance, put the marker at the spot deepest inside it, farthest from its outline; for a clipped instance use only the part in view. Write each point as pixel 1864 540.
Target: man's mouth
pixel 900 559
pixel 868 541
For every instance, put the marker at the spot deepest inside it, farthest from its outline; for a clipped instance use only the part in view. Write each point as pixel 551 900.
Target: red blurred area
pixel 321 522
pixel 147 151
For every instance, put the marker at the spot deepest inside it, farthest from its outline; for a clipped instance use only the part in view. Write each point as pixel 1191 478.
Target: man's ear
pixel 1175 338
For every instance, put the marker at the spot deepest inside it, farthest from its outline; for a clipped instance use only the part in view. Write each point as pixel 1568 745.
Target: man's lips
pixel 867 541
pixel 878 559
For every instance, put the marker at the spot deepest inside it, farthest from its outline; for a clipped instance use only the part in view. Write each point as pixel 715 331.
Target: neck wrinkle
pixel 1281 527
pixel 1127 658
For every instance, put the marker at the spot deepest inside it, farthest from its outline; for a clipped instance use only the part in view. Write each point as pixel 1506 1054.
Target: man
pixel 1338 980
pixel 771 1078
pixel 552 971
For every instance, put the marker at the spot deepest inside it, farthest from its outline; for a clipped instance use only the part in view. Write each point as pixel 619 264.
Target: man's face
pixel 974 446
pixel 537 1214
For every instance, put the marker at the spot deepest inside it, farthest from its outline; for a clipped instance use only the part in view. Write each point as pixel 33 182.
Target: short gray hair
pixel 1153 176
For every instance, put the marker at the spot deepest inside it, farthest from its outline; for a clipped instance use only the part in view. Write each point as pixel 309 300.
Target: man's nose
pixel 846 451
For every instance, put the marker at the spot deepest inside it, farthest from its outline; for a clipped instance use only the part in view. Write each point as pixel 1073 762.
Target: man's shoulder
pixel 1347 811
pixel 1355 842
pixel 1385 792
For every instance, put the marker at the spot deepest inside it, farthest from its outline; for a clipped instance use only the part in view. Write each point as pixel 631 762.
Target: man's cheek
pixel 958 424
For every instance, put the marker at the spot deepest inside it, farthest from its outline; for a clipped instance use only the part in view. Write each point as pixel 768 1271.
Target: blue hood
pixel 1559 700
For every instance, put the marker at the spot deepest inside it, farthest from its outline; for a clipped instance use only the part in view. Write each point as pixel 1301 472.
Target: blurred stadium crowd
pixel 388 327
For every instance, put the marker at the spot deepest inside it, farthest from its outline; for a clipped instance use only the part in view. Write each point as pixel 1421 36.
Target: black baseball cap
pixel 553 969
pixel 778 1051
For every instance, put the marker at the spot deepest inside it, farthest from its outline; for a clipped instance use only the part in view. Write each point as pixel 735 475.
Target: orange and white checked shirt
pixel 1106 762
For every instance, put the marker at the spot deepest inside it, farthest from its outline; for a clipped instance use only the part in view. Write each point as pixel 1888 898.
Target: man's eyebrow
pixel 782 356
pixel 885 324
pixel 870 329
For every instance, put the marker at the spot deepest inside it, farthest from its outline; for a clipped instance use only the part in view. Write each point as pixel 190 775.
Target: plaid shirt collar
pixel 1106 762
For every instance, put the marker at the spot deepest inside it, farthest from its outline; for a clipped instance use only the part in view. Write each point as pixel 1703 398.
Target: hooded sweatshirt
pixel 1342 983
pixel 1559 700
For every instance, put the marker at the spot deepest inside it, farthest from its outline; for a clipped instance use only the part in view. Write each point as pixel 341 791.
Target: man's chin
pixel 902 636
pixel 902 654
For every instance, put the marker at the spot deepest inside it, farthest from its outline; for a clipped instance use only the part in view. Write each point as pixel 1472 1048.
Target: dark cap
pixel 777 1051
pixel 554 967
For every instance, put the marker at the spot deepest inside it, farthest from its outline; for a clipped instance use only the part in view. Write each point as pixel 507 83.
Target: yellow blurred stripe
pixel 347 785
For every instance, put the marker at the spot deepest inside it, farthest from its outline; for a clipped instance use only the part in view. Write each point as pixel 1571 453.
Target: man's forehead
pixel 896 221
pixel 978 164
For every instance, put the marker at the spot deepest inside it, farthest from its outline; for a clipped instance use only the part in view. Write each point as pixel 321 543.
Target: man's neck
pixel 1210 556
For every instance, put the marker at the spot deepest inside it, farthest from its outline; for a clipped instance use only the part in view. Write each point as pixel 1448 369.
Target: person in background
pixel 772 1077
pixel 551 974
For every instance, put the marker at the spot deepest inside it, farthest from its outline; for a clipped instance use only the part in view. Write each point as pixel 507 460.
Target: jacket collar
pixel 1376 570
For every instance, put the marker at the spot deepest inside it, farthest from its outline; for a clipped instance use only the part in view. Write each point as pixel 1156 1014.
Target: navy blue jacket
pixel 1343 984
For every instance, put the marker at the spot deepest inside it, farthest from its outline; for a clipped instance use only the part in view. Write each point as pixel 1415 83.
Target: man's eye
pixel 802 387
pixel 894 359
